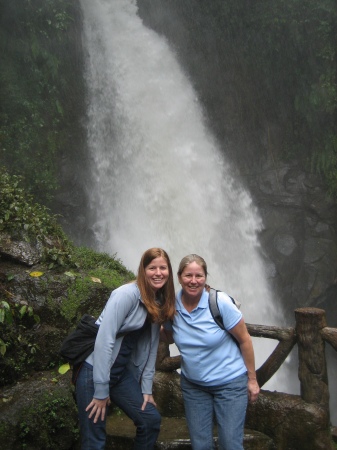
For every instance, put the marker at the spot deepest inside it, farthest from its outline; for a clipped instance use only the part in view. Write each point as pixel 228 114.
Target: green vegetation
pixel 18 345
pixel 290 49
pixel 109 270
pixel 12 314
pixel 40 88
pixel 22 217
pixel 99 269
pixel 293 58
pixel 50 414
pixel 67 281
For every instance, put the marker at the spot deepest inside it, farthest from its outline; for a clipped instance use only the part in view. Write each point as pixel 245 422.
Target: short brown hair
pixel 189 259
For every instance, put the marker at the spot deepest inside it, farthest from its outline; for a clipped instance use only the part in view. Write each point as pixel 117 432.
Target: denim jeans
pixel 228 403
pixel 126 394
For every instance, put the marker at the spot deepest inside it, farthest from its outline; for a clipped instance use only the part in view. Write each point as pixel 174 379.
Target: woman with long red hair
pixel 122 366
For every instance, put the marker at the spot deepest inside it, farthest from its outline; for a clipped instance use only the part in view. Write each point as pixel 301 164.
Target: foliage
pixel 52 414
pixel 324 160
pixel 101 269
pixel 100 274
pixel 78 292
pixel 64 368
pixel 21 216
pixel 37 39
pixel 295 56
pixel 19 351
pixel 11 312
pixel 87 258
pixel 292 57
pixel 17 317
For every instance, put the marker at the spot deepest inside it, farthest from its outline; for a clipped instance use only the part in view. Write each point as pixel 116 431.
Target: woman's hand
pixel 241 334
pixel 148 399
pixel 98 408
pixel 253 390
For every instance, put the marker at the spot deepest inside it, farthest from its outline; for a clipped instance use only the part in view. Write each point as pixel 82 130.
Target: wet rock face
pixel 20 250
pixel 299 236
pixel 290 422
pixel 33 341
pixel 173 435
pixel 39 413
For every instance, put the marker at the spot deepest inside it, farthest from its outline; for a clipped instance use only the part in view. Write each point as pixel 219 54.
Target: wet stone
pixel 173 435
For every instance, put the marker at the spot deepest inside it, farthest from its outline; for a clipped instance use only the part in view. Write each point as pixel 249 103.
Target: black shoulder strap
pixel 213 306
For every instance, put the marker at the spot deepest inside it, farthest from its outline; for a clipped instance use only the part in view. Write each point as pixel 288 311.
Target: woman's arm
pixel 121 302
pixel 244 339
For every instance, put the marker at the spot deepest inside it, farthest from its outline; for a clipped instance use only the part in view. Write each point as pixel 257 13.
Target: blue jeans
pixel 228 403
pixel 126 394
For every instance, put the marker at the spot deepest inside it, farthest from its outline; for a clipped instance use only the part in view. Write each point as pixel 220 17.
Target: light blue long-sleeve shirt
pixel 124 312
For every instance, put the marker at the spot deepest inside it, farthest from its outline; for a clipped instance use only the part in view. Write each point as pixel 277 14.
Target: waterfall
pixel 158 178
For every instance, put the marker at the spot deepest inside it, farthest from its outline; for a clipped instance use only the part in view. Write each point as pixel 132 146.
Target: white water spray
pixel 158 176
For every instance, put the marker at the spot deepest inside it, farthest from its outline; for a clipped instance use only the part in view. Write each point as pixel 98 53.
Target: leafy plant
pixel 87 258
pixel 21 216
pixel 52 414
pixel 324 161
pixel 13 314
pixel 36 110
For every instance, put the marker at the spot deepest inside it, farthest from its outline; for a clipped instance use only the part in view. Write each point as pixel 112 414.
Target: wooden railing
pixel 291 421
pixel 310 335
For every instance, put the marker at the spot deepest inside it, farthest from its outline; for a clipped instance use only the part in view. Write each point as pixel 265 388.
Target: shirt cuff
pixel 101 391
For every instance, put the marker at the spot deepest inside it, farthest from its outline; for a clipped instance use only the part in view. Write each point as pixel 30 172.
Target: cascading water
pixel 158 177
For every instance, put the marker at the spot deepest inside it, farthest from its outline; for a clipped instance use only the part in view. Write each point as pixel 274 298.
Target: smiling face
pixel 193 280
pixel 157 273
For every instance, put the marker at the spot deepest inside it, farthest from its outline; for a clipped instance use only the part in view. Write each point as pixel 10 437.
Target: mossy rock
pixel 57 298
pixel 39 413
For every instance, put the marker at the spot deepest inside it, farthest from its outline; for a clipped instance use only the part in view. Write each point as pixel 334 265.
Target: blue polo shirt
pixel 209 354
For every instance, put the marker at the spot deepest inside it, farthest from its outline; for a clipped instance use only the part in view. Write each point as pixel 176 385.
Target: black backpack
pixel 78 345
pixel 214 308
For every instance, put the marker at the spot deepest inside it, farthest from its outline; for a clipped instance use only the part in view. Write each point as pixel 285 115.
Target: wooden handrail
pixel 287 340
pixel 271 332
pixel 310 334
pixel 330 336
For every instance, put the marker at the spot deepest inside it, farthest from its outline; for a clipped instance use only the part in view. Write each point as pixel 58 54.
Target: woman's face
pixel 157 273
pixel 193 280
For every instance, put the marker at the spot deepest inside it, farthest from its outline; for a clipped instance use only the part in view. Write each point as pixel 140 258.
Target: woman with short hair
pixel 217 372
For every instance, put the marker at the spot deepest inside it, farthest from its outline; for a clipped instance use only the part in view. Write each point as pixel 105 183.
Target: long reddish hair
pixel 158 312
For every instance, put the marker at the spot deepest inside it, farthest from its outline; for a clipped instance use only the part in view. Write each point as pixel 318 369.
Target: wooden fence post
pixel 312 371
